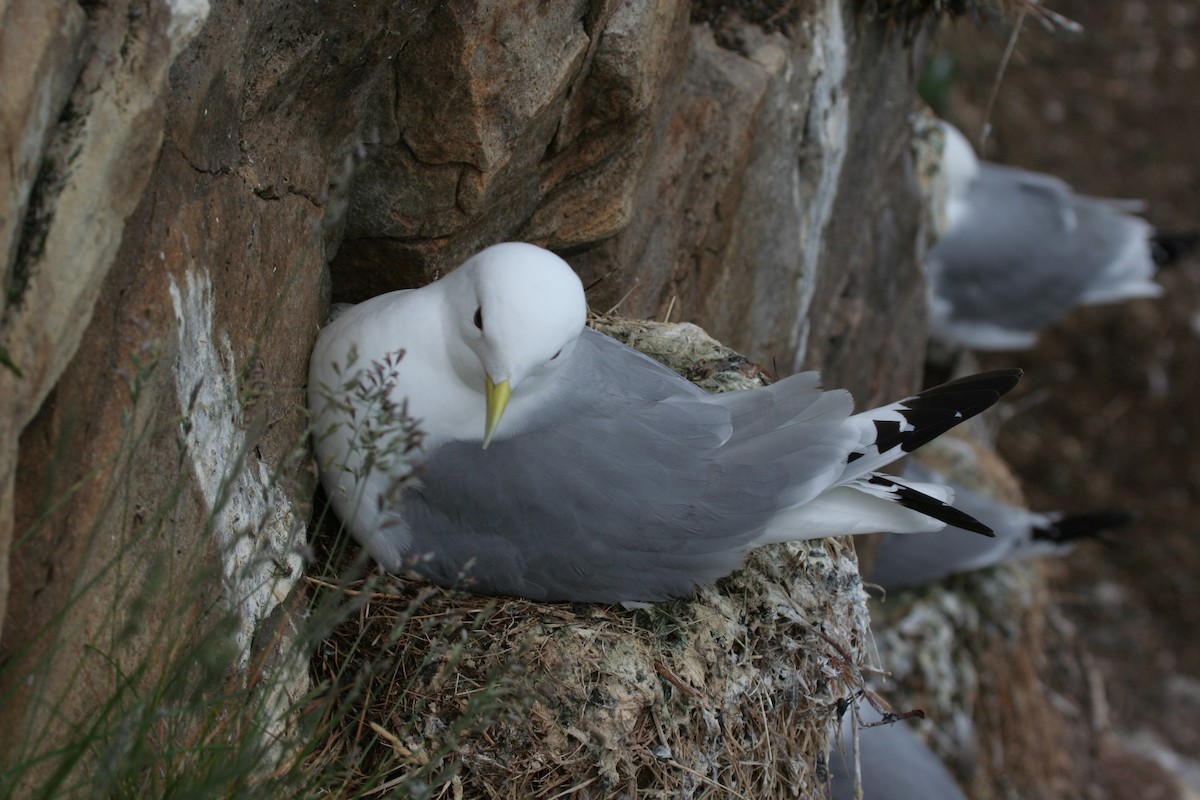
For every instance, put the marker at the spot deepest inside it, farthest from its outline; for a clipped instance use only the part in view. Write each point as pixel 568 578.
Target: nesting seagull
pixel 1021 249
pixel 560 464
pixel 917 559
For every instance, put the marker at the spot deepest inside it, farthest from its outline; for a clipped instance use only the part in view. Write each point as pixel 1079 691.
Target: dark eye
pixel 556 355
pixel 479 318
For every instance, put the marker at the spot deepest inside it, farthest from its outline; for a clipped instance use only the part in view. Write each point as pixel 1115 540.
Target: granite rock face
pixel 181 171
pixel 736 174
pixel 164 294
pixel 70 123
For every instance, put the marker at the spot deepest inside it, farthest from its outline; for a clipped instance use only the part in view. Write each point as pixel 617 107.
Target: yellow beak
pixel 497 401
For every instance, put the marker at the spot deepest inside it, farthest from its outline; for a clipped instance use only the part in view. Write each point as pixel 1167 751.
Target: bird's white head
pixel 959 163
pixel 519 309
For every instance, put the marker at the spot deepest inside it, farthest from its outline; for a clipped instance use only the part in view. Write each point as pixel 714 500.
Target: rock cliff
pixel 181 172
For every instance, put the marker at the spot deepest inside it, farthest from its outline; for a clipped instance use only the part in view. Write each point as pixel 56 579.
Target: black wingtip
pixel 960 519
pixel 1166 248
pixel 936 410
pixel 999 381
pixel 932 507
pixel 990 386
pixel 1073 527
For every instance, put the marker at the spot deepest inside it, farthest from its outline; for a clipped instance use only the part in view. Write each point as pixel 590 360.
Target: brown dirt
pixel 1110 396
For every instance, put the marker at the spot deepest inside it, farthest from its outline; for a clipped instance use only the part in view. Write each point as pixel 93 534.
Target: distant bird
pixel 918 559
pixel 1021 249
pixel 559 464
pixel 895 765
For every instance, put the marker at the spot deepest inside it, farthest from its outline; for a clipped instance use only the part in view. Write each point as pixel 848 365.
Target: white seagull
pixel 559 464
pixel 1021 249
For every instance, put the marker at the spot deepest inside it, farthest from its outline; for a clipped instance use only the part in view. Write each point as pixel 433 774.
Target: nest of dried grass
pixel 731 693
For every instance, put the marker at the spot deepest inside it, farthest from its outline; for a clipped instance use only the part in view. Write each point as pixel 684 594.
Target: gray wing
pixel 1028 249
pixel 896 765
pixel 635 486
pixel 915 559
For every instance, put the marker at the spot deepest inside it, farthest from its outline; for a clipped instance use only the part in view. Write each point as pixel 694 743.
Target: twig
pixel 674 679
pixel 1008 51
pixel 728 790
pixel 575 788
pixel 624 297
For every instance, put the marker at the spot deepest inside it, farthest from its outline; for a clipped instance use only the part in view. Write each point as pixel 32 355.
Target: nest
pixel 731 693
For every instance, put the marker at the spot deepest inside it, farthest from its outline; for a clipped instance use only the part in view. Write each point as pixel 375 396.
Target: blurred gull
pixel 917 559
pixel 560 464
pixel 1021 249
pixel 895 765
